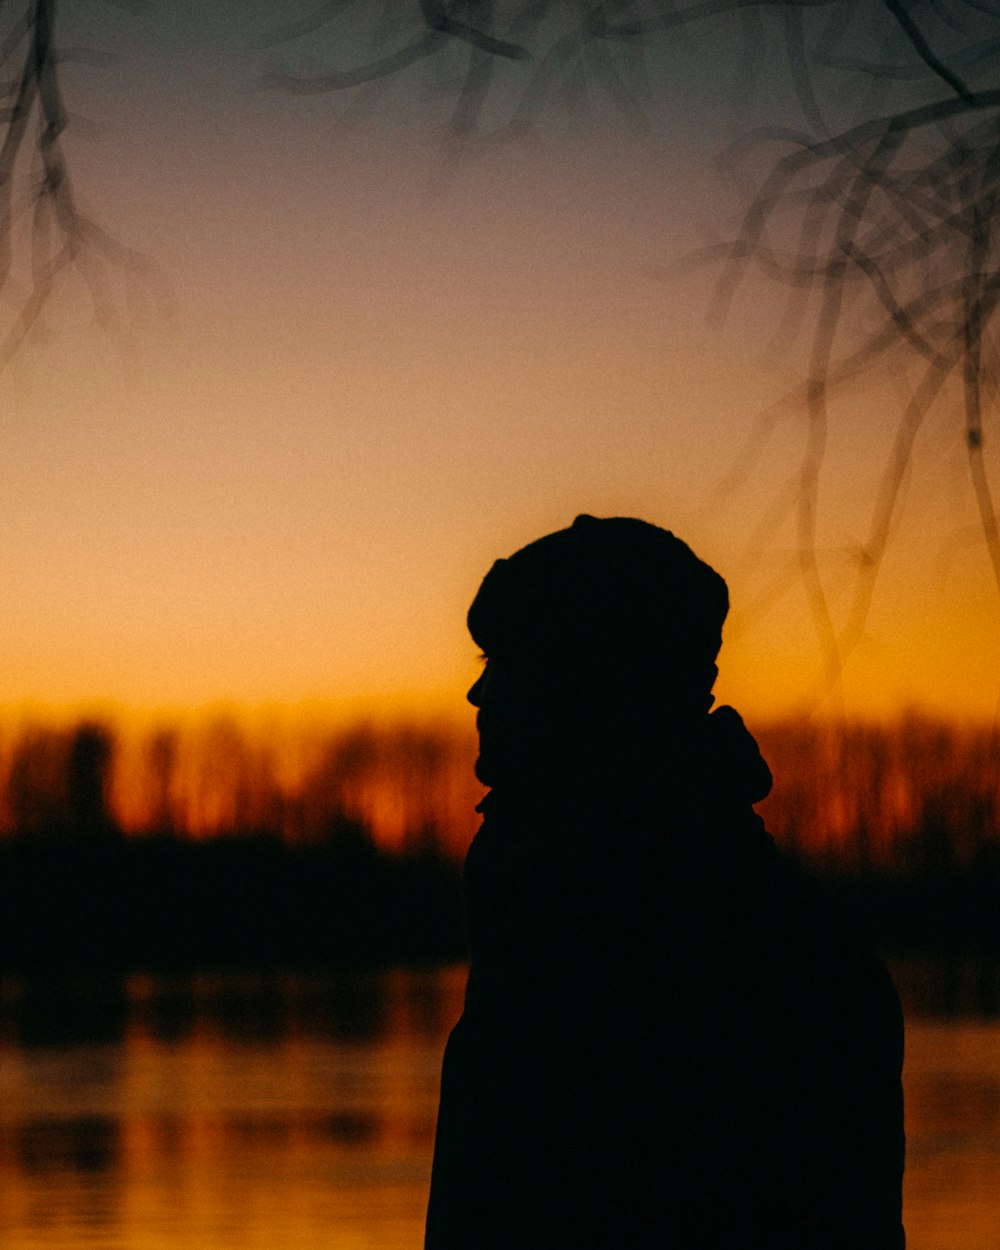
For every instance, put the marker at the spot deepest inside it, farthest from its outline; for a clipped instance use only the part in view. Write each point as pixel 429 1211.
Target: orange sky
pixel 377 380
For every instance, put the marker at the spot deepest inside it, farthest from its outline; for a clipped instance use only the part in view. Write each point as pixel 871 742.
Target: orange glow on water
pixel 266 1110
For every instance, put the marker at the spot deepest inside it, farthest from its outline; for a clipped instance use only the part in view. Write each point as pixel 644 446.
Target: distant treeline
pixel 222 846
pixel 919 795
pixel 407 786
pixel 912 798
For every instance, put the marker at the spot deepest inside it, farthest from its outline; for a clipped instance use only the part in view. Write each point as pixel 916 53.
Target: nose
pixel 475 691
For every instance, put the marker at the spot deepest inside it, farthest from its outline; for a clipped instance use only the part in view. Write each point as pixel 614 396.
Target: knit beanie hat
pixel 604 592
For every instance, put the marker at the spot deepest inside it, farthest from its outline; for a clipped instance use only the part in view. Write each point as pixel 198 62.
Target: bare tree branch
pixel 923 49
pixel 874 219
pixel 36 189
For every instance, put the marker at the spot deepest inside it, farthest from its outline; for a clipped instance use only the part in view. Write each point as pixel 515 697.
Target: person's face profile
pixel 511 721
pixel 476 691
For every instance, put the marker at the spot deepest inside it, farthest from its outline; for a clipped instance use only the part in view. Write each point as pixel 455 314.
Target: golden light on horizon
pixel 375 385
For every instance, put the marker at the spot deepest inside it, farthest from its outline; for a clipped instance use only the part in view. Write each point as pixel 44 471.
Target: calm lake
pixel 196 1113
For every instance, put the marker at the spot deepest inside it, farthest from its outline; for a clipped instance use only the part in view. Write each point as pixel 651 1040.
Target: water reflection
pixel 948 987
pixel 62 1011
pixel 215 1110
pixel 83 1144
pixel 262 1110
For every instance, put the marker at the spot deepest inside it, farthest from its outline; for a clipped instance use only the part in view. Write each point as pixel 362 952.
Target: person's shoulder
pixel 824 946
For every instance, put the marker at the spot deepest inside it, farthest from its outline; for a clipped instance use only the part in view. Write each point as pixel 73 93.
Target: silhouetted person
pixel 670 1038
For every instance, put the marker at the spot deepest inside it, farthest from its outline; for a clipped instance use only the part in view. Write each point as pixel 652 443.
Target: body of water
pixel 196 1113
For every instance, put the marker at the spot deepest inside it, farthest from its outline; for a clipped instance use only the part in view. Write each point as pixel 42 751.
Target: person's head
pixel 600 643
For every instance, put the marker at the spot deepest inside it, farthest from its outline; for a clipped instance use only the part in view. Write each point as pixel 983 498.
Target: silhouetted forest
pixel 408 786
pixel 218 845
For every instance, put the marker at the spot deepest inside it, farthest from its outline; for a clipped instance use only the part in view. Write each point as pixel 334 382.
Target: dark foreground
pixel 165 904
pixel 207 1111
pixel 168 905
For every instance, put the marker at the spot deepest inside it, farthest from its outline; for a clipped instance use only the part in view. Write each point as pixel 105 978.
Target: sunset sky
pixel 383 370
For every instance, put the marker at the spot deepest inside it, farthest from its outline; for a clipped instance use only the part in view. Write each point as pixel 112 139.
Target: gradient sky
pixel 381 372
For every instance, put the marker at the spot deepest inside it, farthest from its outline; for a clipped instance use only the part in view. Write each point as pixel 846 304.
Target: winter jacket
pixel 672 1039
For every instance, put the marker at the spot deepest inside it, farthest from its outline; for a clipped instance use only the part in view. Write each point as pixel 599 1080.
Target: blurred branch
pixel 43 232
pixel 901 16
pixel 518 56
pixel 876 224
